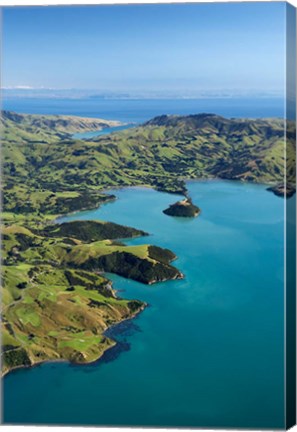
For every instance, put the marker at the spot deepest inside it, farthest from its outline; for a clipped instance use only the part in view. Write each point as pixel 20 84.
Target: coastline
pixel 147 186
pixel 59 216
pixel 56 218
pixel 114 343
pixel 132 316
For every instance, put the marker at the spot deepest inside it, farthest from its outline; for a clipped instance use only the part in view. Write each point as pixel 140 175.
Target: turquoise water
pixel 107 131
pixel 208 351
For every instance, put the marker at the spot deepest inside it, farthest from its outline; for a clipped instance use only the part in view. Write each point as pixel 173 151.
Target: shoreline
pixel 55 218
pixel 147 186
pixel 59 216
pixel 35 364
pixel 122 126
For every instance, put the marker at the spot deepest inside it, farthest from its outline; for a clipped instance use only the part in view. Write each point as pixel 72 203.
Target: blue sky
pixel 177 47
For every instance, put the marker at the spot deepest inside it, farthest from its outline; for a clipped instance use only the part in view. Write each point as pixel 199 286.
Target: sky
pixel 172 47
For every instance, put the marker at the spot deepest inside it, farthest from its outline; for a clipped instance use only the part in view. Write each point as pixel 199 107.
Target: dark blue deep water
pixel 141 110
pixel 208 351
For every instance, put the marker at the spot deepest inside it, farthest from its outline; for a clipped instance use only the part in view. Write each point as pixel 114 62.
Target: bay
pixel 209 349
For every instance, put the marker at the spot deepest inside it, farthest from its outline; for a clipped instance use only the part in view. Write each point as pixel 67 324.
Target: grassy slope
pixel 61 174
pixel 45 127
pixel 56 303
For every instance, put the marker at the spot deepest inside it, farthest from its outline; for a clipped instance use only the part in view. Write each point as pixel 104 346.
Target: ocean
pixel 142 110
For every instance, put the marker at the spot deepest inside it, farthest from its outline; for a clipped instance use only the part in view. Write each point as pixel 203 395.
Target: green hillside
pixel 56 174
pixel 56 302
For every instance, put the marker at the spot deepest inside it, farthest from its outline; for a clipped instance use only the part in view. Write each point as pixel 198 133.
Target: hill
pixel 55 173
pixel 22 127
pixel 56 302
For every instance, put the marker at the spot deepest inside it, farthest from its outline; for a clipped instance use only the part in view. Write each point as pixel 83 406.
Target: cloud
pixel 22 87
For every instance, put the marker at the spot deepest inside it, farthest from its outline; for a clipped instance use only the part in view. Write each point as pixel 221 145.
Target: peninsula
pixel 56 301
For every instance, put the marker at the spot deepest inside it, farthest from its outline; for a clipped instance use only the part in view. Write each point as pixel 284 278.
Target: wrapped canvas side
pixel 290 221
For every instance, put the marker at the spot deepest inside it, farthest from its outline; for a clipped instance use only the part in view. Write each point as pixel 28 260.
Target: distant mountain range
pixel 24 91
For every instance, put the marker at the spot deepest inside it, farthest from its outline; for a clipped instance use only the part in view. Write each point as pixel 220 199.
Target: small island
pixel 183 208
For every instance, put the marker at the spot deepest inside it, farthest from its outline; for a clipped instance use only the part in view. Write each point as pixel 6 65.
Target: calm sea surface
pixel 139 111
pixel 208 351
